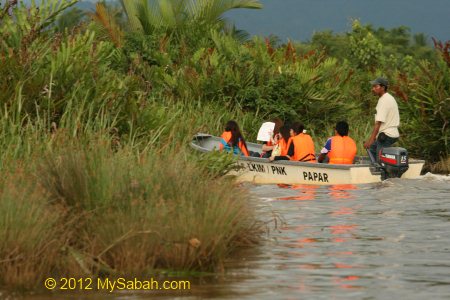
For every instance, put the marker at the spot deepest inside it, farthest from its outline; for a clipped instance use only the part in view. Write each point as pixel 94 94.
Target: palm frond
pixel 131 10
pixel 212 10
pixel 104 17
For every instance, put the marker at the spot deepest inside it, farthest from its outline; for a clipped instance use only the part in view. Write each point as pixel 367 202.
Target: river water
pixel 383 241
pixel 389 240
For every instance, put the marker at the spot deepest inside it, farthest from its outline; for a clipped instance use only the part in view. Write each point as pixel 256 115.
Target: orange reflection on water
pixel 343 232
pixel 339 240
pixel 341 191
pixel 343 211
pixel 306 192
pixel 342 229
pixel 307 241
pixel 344 282
pixel 301 243
pixel 343 266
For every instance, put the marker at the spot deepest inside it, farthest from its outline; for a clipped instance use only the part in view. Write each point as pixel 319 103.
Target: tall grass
pixel 91 210
pixel 116 200
pixel 31 232
pixel 442 166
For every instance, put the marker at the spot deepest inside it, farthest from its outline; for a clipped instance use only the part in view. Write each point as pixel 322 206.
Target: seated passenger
pixel 341 148
pixel 284 140
pixel 268 146
pixel 232 139
pixel 301 147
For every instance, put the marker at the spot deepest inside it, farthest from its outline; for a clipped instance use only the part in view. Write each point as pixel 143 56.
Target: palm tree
pixel 146 16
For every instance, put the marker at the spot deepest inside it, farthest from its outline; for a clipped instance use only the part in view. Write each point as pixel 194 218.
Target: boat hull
pixel 311 173
pixel 262 171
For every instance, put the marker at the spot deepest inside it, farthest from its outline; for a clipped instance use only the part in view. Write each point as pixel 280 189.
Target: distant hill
pixel 299 19
pixel 85 5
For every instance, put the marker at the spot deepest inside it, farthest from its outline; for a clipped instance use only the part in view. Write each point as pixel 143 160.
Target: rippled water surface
pixel 383 241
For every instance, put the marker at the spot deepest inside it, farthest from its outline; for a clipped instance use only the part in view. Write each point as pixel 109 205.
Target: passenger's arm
pixel 324 151
pixel 266 148
pixel 273 140
pixel 321 157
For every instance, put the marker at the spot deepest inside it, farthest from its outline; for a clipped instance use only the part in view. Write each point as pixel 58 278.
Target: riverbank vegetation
pixel 97 111
pixel 87 210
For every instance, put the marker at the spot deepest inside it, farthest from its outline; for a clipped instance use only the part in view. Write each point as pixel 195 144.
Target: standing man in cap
pixel 387 119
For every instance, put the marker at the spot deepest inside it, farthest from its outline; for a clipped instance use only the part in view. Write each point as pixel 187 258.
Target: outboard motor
pixel 393 161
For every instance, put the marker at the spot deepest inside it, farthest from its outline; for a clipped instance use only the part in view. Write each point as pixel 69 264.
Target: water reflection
pixel 379 241
pixel 305 191
pixel 341 229
pixel 342 191
pixel 347 241
pixel 344 233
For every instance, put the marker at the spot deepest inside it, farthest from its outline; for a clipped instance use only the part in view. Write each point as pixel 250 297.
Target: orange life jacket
pixel 303 148
pixel 343 150
pixel 284 146
pixel 226 136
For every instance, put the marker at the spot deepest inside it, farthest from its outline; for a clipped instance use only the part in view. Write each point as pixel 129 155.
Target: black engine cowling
pixel 393 162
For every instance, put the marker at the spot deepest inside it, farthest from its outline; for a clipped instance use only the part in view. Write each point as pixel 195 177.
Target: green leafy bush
pixel 426 111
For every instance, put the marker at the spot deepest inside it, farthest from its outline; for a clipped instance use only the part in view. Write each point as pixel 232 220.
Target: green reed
pixel 87 209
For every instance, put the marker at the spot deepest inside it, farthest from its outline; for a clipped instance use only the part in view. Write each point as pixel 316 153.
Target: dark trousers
pixel 382 141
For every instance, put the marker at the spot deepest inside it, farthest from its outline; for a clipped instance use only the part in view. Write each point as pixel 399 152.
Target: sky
pixel 299 19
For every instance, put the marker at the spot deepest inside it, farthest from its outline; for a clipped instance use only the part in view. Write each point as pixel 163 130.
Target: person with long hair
pixel 284 140
pixel 301 146
pixel 232 139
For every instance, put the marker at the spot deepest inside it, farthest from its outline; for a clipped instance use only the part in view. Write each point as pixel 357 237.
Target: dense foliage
pixel 90 100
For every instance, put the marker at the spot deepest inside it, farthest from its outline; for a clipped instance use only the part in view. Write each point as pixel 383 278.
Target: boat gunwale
pixel 287 162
